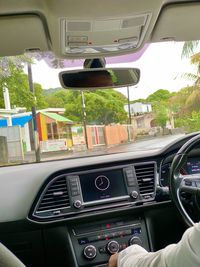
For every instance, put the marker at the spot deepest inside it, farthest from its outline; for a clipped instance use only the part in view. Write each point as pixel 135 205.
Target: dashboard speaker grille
pixel 55 196
pixel 145 174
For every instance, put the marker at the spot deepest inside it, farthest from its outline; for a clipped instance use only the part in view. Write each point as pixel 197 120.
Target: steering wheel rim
pixel 177 182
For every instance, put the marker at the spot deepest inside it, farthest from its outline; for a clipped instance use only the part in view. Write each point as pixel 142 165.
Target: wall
pixel 89 136
pixel 115 134
pixel 142 123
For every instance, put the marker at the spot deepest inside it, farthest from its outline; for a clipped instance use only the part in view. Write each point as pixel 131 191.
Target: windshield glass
pixel 41 121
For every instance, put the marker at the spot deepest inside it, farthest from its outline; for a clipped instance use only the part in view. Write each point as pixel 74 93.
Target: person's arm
pixel 184 254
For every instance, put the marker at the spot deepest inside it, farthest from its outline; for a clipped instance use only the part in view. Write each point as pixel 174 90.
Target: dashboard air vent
pixel 55 196
pixel 145 174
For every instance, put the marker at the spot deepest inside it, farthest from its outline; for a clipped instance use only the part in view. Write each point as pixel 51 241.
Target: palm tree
pixel 189 51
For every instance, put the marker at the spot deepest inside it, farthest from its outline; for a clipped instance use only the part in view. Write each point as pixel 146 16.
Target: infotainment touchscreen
pixel 102 185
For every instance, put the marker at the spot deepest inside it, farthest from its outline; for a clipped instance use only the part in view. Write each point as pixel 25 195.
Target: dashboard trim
pixel 106 203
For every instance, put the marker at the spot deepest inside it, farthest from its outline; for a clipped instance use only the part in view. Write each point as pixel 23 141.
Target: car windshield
pixel 40 121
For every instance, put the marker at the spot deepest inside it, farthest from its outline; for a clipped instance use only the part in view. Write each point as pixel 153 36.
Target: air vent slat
pixel 56 189
pixel 145 174
pixel 55 196
pixel 53 203
pixel 47 208
pixel 57 185
pixel 51 193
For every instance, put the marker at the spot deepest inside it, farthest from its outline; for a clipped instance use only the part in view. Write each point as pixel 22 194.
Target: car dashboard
pixel 78 212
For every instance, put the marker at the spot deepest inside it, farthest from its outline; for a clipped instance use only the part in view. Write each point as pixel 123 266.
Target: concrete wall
pixel 3 149
pixel 89 136
pixel 115 134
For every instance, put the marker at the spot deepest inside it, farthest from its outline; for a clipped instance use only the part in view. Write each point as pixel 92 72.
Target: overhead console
pixel 103 35
pixel 75 193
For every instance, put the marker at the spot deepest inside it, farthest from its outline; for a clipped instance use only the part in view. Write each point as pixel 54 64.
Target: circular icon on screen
pixel 102 182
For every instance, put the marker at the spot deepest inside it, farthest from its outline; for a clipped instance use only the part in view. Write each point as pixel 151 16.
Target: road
pixel 151 143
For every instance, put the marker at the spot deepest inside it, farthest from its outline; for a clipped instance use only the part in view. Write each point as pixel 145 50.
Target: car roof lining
pixel 38 27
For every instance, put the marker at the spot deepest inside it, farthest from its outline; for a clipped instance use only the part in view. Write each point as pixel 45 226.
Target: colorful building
pixel 52 126
pixel 54 130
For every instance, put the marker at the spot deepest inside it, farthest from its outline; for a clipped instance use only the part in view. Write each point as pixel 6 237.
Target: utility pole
pixel 129 113
pixel 84 118
pixel 6 97
pixel 35 132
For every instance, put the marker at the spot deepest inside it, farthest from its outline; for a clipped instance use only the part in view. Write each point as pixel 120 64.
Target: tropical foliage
pixel 13 77
pixel 101 107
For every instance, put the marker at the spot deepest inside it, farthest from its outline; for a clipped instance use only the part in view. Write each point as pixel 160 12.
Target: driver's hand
pixel 113 260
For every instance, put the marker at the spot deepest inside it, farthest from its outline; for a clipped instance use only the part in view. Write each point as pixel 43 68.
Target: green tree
pixel 190 122
pixel 17 84
pixel 105 109
pixel 159 95
pixel 40 99
pixel 161 115
pixel 101 106
pixel 58 98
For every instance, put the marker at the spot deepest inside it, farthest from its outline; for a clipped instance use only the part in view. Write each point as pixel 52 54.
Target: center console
pixel 93 243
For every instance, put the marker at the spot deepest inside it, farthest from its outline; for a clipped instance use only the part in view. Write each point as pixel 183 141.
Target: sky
pixel 161 67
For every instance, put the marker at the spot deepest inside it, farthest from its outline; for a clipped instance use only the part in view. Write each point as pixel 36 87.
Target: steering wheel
pixel 184 183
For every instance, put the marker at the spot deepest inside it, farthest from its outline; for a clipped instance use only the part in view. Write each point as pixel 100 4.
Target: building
pixel 142 117
pixel 54 129
pixel 138 108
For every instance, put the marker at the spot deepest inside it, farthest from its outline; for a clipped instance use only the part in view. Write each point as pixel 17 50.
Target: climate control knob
pixel 135 240
pixel 112 247
pixel 90 252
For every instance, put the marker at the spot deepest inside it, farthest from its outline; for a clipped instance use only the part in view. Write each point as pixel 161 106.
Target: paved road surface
pixel 151 143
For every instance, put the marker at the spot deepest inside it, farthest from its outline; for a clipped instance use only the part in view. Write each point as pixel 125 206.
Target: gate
pixel 98 137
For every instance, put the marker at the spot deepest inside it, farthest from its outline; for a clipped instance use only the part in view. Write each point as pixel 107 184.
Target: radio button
pixel 75 193
pixel 83 241
pixel 102 250
pixel 77 204
pixel 134 194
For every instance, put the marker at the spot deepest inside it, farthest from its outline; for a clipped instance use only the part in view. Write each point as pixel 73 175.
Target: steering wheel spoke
pixel 190 184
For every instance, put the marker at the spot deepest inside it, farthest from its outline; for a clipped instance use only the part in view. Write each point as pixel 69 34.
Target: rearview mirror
pixel 97 78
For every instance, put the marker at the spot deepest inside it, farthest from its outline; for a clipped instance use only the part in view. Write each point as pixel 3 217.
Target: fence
pixel 14 142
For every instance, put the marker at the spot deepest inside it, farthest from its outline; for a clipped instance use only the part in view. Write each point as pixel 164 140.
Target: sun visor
pixel 20 33
pixel 178 22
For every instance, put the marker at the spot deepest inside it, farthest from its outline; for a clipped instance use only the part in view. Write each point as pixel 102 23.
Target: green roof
pixel 56 117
